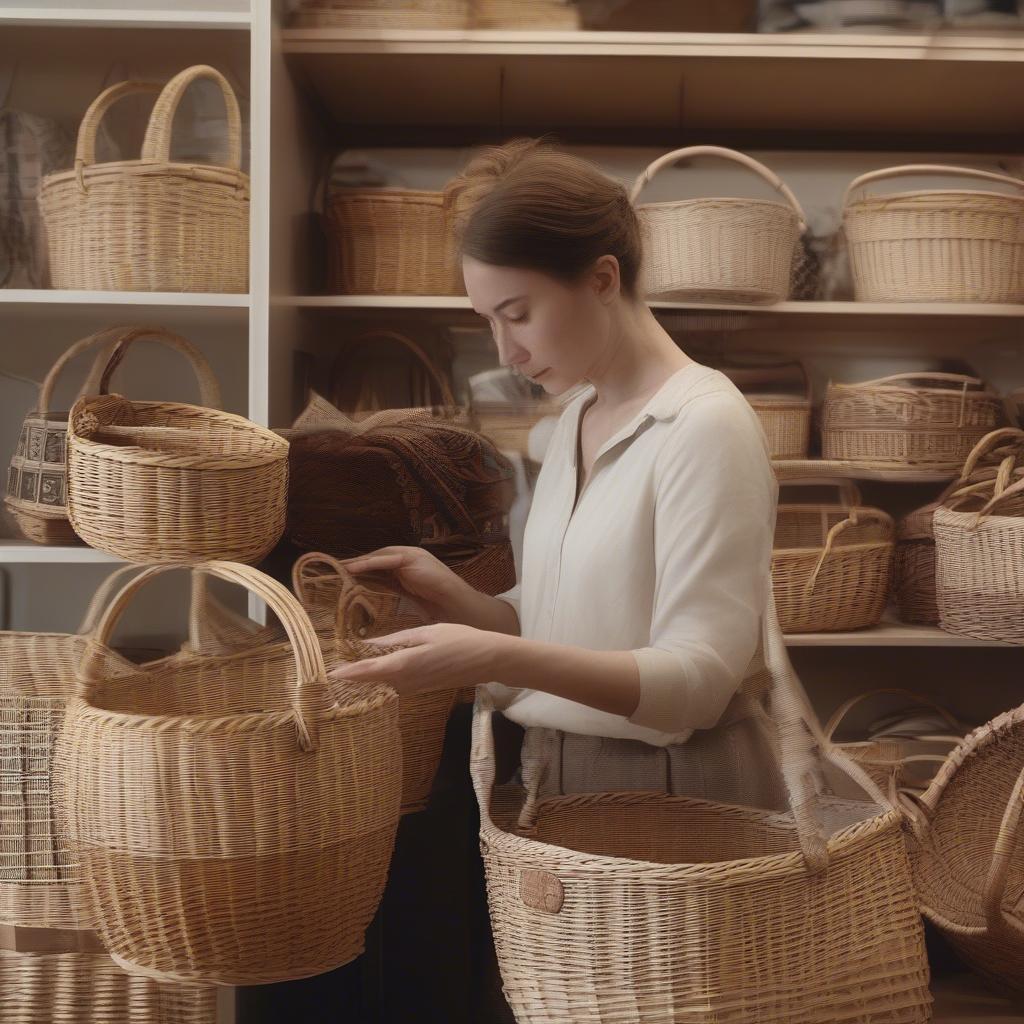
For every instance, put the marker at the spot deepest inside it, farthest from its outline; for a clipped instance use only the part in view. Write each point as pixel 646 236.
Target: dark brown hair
pixel 528 204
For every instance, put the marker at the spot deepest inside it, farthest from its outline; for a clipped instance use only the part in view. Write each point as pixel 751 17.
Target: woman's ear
pixel 606 280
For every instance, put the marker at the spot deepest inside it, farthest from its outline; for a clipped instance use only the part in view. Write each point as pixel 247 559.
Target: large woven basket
pixel 167 482
pixel 344 610
pixel 832 564
pixel 936 245
pixel 150 224
pixel 234 818
pixel 718 250
pixel 642 908
pixel 920 420
pixel 37 477
pixel 387 14
pixel 780 394
pixel 390 241
pixel 967 851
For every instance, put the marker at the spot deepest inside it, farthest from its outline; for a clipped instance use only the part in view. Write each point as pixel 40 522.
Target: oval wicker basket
pixel 936 245
pixel 832 564
pixel 718 250
pixel 165 482
pixel 921 420
pixel 344 610
pixel 386 14
pixel 234 818
pixel 644 908
pixel 150 224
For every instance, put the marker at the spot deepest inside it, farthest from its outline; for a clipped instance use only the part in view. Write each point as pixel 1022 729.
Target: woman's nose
pixel 509 353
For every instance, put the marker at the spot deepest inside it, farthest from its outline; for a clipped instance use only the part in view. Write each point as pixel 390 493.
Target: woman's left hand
pixel 441 656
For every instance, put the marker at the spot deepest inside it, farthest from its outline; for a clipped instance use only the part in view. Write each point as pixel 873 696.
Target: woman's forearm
pixel 473 608
pixel 606 680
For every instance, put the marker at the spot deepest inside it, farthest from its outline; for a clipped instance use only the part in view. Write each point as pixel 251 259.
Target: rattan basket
pixel 718 250
pixel 234 817
pixel 936 245
pixel 920 420
pixel 386 14
pixel 167 482
pixel 150 224
pixel 832 564
pixel 546 15
pixel 344 610
pixel 967 851
pixel 643 908
pixel 780 394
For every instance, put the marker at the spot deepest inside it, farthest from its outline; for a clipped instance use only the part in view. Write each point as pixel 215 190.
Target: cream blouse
pixel 667 554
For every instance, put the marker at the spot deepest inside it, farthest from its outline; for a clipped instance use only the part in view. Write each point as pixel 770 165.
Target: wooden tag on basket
pixel 541 890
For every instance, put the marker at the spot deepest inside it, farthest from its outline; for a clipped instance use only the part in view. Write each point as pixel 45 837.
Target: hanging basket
pixel 151 224
pixel 936 245
pixel 642 908
pixel 234 819
pixel 718 250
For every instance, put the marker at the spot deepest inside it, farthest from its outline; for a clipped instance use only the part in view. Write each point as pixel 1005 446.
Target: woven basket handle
pixel 156 146
pixel 311 697
pixel 990 443
pixel 918 698
pixel 103 594
pixel 85 146
pixel 924 376
pixel 688 152
pixel 213 628
pixel 998 873
pixel 1016 488
pixel 209 389
pixel 908 170
pixel 105 341
pixel 857 517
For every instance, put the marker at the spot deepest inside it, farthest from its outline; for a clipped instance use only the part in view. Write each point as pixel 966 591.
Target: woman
pixel 632 650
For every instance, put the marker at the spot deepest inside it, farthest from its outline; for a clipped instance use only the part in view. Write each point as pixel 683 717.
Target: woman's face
pixel 550 331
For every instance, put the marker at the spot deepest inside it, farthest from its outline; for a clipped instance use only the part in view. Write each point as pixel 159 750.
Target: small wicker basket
pixel 544 15
pixel 384 14
pixel 784 411
pixel 151 224
pixel 936 245
pixel 911 420
pixel 832 563
pixel 718 250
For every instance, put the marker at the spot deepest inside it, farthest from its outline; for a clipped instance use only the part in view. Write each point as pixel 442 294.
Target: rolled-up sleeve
pixel 715 502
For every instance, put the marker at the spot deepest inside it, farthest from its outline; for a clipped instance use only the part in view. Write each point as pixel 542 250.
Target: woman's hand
pixel 442 656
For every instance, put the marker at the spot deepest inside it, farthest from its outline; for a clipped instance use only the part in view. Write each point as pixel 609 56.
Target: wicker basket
pixel 390 241
pixel 919 420
pixel 150 224
pixel 967 852
pixel 544 15
pixel 832 564
pixel 642 908
pixel 785 412
pixel 343 610
pixel 231 832
pixel 37 476
pixel 718 250
pixel 936 245
pixel 386 14
pixel 166 482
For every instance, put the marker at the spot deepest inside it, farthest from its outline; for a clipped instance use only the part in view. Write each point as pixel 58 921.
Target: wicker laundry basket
pixel 545 15
pixel 780 394
pixel 386 14
pixel 151 224
pixel 167 482
pixel 920 420
pixel 642 908
pixel 37 477
pixel 718 250
pixel 966 851
pixel 234 817
pixel 832 563
pixel 344 610
pixel 936 245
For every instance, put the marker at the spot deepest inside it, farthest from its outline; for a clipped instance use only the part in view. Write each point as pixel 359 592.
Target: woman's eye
pixel 521 318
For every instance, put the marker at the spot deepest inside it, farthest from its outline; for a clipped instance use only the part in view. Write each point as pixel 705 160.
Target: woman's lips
pixel 537 376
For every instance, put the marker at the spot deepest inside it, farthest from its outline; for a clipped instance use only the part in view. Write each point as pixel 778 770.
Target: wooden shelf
pixel 62 297
pixel 126 17
pixel 889 634
pixel 810 469
pixel 24 551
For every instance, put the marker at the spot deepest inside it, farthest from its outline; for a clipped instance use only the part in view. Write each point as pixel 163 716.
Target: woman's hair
pixel 528 204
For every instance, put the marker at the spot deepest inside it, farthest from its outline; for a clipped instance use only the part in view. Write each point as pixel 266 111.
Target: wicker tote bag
pixel 344 610
pixel 967 851
pixel 150 224
pixel 644 908
pixel 718 250
pixel 233 816
pixel 920 420
pixel 832 563
pixel 168 482
pixel 37 476
pixel 936 245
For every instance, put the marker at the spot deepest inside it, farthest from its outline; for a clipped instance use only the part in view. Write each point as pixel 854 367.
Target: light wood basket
pixel 544 15
pixel 936 245
pixel 785 415
pixel 718 250
pixel 384 14
pixel 150 224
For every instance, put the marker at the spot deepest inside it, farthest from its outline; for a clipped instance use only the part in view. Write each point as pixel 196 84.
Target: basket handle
pixel 856 518
pixel 929 376
pixel 688 152
pixel 998 873
pixel 102 596
pixel 156 146
pixel 918 698
pixel 906 170
pixel 105 340
pixel 209 389
pixel 214 628
pixel 311 697
pixel 990 443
